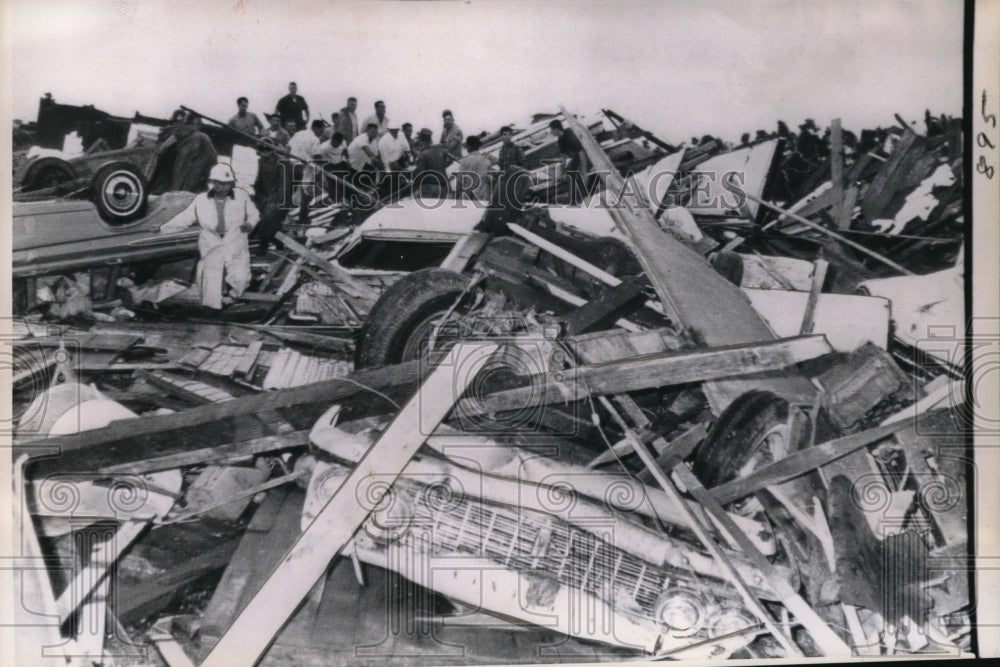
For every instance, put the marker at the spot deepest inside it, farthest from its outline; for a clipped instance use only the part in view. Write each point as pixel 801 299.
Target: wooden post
pixel 307 560
pixel 837 170
pixel 344 280
pixel 805 460
pixel 819 275
pixel 658 370
pixel 820 228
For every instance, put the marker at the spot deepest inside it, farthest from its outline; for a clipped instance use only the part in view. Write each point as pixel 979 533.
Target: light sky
pixel 675 68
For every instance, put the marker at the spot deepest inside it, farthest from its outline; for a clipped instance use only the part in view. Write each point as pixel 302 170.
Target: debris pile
pixel 701 415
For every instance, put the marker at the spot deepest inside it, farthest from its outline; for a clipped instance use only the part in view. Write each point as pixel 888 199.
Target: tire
pixel 47 172
pixel 737 437
pixel 120 192
pixel 403 316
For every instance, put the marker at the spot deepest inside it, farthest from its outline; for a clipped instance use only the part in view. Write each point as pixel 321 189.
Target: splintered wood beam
pixel 832 234
pixel 650 371
pixel 837 169
pixel 228 453
pixel 124 441
pixel 805 460
pixel 345 281
pixel 307 560
pixel 599 313
pixel 819 275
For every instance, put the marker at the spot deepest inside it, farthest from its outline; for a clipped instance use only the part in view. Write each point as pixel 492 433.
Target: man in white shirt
pixel 334 151
pixel 363 152
pixel 394 150
pixel 305 144
pixel 226 215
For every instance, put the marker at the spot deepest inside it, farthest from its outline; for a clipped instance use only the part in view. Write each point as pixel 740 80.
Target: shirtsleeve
pixel 182 220
pixel 252 214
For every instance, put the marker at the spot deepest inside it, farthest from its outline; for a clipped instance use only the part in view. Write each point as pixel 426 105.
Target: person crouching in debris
pixel 430 178
pixel 226 216
pixel 577 165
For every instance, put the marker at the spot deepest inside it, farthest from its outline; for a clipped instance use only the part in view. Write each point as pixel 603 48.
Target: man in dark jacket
pixel 348 125
pixel 183 158
pixel 293 106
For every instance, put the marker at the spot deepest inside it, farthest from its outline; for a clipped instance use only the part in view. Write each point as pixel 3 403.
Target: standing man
pixel 226 216
pixel 187 152
pixel 472 176
pixel 245 121
pixel 293 106
pixel 451 135
pixel 577 166
pixel 305 146
pixel 379 118
pixel 349 120
pixel 275 131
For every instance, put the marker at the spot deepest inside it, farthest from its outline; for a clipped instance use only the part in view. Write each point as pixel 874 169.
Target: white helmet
pixel 222 173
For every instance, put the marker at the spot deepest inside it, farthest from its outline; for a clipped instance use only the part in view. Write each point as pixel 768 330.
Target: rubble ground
pixel 709 418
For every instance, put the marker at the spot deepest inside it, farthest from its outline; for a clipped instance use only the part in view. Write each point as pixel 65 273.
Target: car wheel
pixel 120 192
pixel 749 433
pixel 47 172
pixel 403 319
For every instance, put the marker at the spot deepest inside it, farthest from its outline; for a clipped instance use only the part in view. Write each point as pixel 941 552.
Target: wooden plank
pixel 819 275
pixel 100 342
pixel 125 441
pixel 136 600
pixel 805 460
pixel 175 386
pixel 274 527
pixel 603 311
pixel 345 281
pixel 835 235
pixel 323 539
pixel 660 370
pixel 837 167
pixel 245 365
pixel 845 216
pixel 881 191
pixel 259 297
pixel 463 251
pixel 226 453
